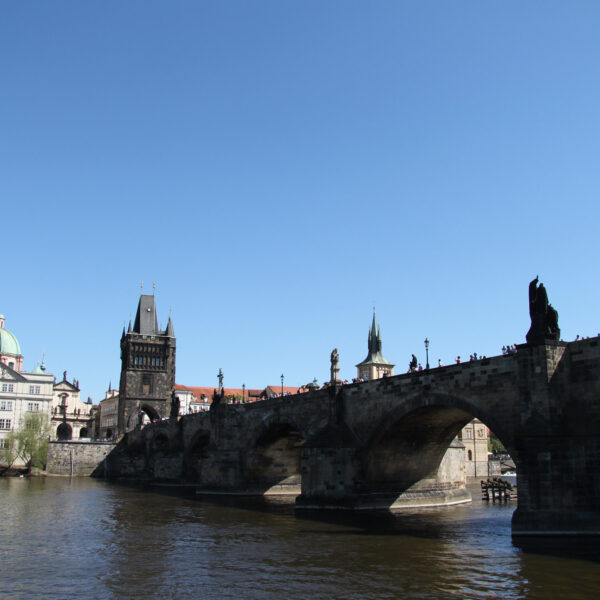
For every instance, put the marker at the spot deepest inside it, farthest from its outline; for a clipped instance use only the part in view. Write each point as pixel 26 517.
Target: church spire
pixel 374 366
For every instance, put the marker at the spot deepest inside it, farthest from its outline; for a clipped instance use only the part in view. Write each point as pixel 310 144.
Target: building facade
pixel 108 415
pixel 147 369
pixel 71 419
pixel 474 437
pixel 21 392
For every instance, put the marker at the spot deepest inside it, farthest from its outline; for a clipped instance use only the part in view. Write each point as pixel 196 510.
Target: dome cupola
pixel 10 350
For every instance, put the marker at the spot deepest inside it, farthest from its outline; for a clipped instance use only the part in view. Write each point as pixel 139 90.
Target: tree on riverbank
pixel 28 445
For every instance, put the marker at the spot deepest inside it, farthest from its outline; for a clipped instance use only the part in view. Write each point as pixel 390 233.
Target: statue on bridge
pixel 220 377
pixel 413 364
pixel 175 404
pixel 544 318
pixel 335 370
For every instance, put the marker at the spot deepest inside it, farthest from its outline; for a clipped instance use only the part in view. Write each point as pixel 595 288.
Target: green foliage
pixel 235 398
pixel 29 444
pixel 495 446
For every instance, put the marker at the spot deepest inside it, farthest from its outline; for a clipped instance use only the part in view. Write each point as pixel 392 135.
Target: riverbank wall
pixel 76 458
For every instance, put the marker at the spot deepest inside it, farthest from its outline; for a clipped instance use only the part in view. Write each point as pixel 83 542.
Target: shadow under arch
pixel 272 466
pixel 194 455
pixel 64 432
pixel 415 442
pixel 161 453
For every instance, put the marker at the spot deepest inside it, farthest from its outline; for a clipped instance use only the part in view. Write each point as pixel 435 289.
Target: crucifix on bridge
pixel 220 376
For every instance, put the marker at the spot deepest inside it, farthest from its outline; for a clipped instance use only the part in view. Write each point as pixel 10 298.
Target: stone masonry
pixel 371 443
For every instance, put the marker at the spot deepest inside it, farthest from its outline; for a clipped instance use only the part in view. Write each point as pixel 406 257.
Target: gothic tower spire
pixel 374 366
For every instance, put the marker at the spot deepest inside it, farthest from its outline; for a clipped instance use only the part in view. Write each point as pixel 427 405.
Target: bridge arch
pixel 194 455
pixel 150 412
pixel 273 462
pixel 408 443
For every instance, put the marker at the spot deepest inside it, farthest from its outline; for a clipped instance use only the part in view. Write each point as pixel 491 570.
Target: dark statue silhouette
pixel 544 318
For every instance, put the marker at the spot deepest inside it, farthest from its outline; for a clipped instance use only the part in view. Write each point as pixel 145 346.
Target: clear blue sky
pixel 278 167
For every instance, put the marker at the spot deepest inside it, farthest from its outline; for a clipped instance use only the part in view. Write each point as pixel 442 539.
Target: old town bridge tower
pixel 147 368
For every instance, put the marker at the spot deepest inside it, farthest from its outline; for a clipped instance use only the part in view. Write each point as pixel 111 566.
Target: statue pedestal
pixel 335 376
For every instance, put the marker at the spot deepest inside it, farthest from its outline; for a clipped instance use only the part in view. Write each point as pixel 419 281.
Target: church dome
pixel 8 342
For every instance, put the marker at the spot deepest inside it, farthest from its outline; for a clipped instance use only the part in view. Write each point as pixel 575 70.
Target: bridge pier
pixel 558 487
pixel 557 445
pixel 330 466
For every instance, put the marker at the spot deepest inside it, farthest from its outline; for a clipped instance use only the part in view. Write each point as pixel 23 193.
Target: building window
pixel 470 455
pixel 34 389
pixel 2 443
pixel 5 404
pixel 146 384
pixel 11 365
pixel 8 387
pixel 33 406
pixel 5 423
pixel 468 434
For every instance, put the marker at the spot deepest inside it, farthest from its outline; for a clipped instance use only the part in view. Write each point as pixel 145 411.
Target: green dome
pixel 9 343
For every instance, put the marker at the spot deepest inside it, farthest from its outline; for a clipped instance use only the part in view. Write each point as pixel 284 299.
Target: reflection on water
pixel 62 538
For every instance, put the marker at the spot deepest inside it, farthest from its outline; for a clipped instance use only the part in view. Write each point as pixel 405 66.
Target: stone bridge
pixel 381 443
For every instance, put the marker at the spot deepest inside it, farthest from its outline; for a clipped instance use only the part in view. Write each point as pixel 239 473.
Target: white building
pixel 71 417
pixel 474 436
pixel 21 392
pixel 109 415
pixel 193 399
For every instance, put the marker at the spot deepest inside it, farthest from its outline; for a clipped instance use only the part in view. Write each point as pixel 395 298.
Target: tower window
pixel 146 384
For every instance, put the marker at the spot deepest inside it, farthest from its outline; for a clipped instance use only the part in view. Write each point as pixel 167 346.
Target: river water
pixel 83 538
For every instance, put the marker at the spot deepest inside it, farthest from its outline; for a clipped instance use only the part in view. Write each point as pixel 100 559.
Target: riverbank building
pixel 21 392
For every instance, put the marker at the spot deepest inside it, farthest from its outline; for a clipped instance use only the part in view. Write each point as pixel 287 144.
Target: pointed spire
pixel 373 335
pixel 374 356
pixel 146 321
pixel 109 386
pixel 129 329
pixel 170 331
